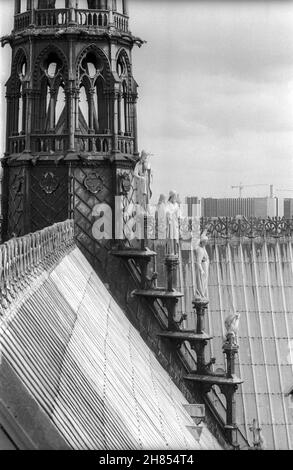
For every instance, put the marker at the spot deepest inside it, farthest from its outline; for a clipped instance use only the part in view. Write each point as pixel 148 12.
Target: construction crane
pixel 242 186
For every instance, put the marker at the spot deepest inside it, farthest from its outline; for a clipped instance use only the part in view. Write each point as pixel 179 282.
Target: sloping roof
pixel 87 367
pixel 254 278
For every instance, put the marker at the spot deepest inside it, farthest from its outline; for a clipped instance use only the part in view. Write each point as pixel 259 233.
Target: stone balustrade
pixel 253 227
pixel 227 227
pixel 59 18
pixel 49 143
pixel 51 17
pixel 126 144
pixel 121 22
pixel 16 144
pixel 100 143
pixel 23 258
pixel 22 21
pixel 92 18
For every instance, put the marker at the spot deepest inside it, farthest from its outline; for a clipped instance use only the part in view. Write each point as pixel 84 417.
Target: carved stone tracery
pixel 226 227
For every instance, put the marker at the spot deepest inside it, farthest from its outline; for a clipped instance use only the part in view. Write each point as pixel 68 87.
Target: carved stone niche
pixel 124 183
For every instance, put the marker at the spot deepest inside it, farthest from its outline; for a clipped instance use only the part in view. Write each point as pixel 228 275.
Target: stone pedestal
pixel 171 262
pixel 230 349
pixel 200 307
pixel 142 258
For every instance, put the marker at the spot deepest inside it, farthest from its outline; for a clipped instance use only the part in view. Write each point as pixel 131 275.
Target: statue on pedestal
pixel 172 216
pixel 232 326
pixel 142 177
pixel 258 438
pixel 142 181
pixel 161 218
pixel 201 270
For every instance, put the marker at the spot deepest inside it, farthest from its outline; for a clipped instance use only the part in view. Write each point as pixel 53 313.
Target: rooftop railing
pixel 22 259
pixel 58 18
pixel 92 18
pixel 226 227
pixel 252 227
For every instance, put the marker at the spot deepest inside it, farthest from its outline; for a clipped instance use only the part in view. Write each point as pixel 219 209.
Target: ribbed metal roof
pixel 89 369
pixel 254 278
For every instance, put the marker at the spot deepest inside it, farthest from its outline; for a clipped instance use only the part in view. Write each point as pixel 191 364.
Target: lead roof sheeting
pixel 74 349
pixel 256 279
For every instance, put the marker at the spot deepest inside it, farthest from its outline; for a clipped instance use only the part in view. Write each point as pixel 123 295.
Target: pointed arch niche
pixel 93 109
pixel 19 105
pixel 50 111
pixel 124 107
pixel 22 100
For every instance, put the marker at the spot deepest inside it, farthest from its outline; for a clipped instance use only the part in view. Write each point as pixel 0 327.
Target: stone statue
pixel 232 326
pixel 258 438
pixel 142 181
pixel 172 216
pixel 161 218
pixel 201 269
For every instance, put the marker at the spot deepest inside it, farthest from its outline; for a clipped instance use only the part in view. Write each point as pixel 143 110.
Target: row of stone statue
pixel 168 215
pixel 167 211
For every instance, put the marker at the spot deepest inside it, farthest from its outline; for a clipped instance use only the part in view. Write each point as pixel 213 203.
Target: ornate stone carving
pixel 227 227
pixel 125 183
pixel 94 183
pixel 15 222
pixel 142 180
pixel 49 182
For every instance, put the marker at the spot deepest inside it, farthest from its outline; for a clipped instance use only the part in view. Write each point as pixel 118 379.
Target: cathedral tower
pixel 71 113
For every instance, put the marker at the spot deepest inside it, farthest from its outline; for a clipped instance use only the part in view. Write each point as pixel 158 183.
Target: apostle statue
pixel 232 326
pixel 172 218
pixel 201 269
pixel 142 181
pixel 161 220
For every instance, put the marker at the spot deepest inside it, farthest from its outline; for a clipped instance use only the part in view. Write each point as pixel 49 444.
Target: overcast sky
pixel 215 93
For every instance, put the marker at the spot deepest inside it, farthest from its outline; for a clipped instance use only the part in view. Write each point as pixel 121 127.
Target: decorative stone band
pixel 223 227
pixel 227 227
pixel 24 258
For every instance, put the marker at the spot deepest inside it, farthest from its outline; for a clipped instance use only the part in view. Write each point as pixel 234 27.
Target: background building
pixel 288 208
pixel 193 206
pixel 231 207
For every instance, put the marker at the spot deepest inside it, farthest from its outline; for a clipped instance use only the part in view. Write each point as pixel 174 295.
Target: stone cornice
pixel 72 32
